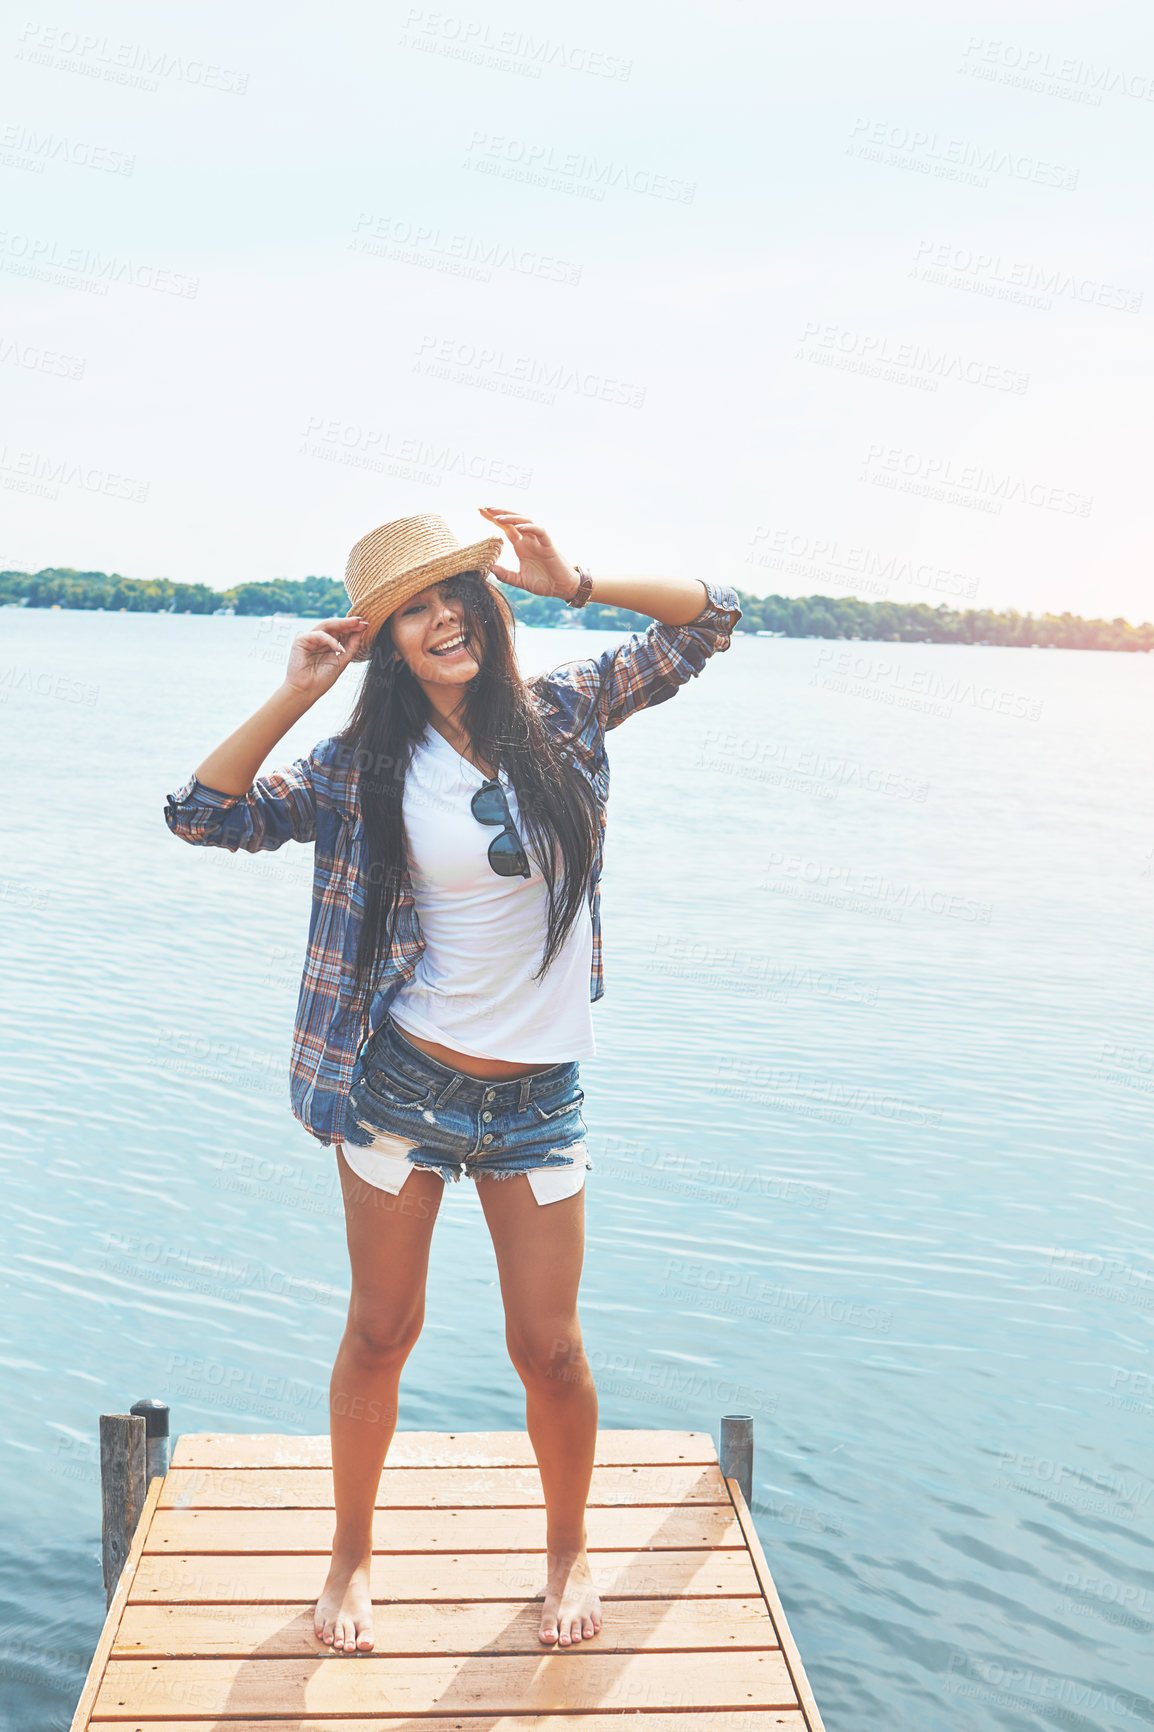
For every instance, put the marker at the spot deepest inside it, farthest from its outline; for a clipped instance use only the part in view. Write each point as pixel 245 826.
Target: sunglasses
pixel 506 855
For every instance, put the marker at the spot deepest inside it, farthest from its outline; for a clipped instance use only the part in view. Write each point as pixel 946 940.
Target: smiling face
pixel 429 632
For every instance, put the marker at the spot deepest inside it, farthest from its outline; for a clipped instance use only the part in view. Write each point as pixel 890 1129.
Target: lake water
pixel 870 1121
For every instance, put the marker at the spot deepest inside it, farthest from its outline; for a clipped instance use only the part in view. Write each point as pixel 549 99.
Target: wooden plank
pixel 436 1449
pixel 669 1527
pixel 581 1681
pixel 116 1609
pixel 464 1627
pixel 212 1619
pixel 788 1646
pixel 441 1580
pixel 745 1720
pixel 437 1487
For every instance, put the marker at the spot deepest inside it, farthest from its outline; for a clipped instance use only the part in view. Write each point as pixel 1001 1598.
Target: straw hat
pixel 397 560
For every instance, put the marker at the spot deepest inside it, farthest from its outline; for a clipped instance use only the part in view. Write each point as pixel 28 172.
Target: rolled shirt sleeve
pixel 651 665
pixel 279 807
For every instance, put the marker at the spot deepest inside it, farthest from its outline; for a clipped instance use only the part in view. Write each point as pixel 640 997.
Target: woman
pixel 454 952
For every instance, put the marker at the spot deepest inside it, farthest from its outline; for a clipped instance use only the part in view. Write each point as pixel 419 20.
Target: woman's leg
pixel 388 1238
pixel 540 1248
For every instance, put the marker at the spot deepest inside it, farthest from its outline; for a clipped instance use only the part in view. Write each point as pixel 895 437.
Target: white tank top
pixel 484 934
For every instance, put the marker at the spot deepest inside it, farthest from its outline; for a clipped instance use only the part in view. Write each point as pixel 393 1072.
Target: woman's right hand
pixel 319 656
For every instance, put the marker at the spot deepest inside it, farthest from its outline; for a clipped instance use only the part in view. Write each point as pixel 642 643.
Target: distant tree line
pixel 917 622
pixel 312 597
pixel 809 616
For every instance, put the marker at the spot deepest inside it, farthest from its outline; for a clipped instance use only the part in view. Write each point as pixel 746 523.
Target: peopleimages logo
pixel 895 895
pixel 817 556
pixel 898 680
pixel 24 147
pixel 1067 75
pixel 1021 281
pixel 386 451
pixel 403 242
pixel 38 473
pixel 475 39
pixel 14 353
pixel 496 151
pixel 941 477
pixel 129 63
pixel 488 367
pixel 46 685
pixel 929 152
pixel 877 356
pixel 40 256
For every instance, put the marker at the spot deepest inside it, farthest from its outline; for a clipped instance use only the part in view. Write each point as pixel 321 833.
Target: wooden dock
pixel 210 1623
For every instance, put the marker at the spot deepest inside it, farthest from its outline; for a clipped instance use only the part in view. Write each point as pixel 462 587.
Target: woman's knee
pixel 551 1354
pixel 381 1334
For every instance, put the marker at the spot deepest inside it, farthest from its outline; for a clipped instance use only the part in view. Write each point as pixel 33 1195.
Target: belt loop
pixel 450 1088
pixel 526 1084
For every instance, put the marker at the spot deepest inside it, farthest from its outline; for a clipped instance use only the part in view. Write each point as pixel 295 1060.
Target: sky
pixel 836 300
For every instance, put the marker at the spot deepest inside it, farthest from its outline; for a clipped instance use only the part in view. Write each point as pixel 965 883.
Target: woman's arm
pixel 649 666
pixel 671 600
pixel 693 620
pixel 542 571
pixel 316 659
pixel 231 768
pixel 224 803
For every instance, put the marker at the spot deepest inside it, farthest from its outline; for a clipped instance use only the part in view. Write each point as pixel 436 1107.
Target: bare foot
pixel 343 1617
pixel 572 1608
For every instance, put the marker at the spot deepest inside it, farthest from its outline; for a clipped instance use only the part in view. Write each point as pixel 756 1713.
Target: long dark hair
pixel 557 807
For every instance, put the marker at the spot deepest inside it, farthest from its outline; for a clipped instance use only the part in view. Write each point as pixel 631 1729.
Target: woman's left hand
pixel 542 571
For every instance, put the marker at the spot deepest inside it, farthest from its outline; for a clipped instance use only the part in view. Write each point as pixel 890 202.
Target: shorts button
pixel 488 1094
pixel 488 1138
pixel 486 1116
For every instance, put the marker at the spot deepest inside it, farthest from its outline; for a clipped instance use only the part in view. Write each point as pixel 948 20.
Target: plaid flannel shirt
pixel 316 800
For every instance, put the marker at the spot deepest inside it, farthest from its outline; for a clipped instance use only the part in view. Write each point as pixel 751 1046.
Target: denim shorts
pixel 406 1109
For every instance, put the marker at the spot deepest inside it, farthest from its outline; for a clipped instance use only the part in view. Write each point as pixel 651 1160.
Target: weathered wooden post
pixel 123 1483
pixel 737 1451
pixel 133 1446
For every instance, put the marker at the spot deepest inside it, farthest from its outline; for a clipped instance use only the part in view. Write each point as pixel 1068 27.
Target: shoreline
pixel 1141 641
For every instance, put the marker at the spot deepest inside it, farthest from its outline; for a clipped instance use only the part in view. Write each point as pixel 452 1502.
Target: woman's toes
pixel 327 1631
pixel 365 1639
pixel 587 1628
